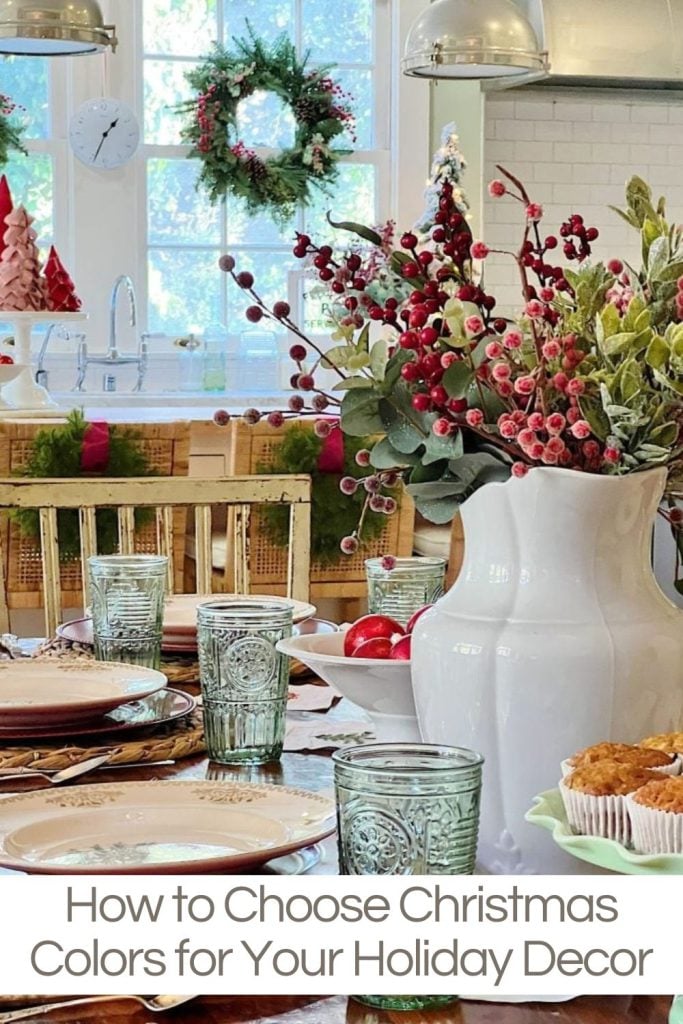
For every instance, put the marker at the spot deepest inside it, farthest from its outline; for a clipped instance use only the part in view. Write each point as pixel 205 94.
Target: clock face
pixel 104 133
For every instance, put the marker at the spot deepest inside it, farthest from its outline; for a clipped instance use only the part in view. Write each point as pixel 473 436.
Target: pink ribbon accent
pixel 95 450
pixel 331 458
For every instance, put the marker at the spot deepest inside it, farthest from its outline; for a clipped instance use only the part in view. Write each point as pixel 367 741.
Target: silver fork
pixel 155 1004
pixel 74 771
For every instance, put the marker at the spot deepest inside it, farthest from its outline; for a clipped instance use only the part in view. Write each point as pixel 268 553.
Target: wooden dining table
pixel 314 772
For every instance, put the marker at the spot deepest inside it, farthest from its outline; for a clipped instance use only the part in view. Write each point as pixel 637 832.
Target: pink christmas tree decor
pixel 22 288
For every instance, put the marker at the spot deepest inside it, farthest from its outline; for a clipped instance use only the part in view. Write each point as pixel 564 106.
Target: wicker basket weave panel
pixel 253 447
pixel 166 447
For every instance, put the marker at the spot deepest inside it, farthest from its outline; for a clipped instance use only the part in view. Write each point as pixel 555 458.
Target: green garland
pixel 57 453
pixel 281 182
pixel 10 133
pixel 333 515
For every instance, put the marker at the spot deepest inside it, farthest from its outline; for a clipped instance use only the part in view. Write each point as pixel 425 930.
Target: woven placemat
pixel 169 742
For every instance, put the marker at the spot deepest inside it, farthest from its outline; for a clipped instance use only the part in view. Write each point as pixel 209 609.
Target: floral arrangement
pixel 11 133
pixel 321 111
pixel 589 377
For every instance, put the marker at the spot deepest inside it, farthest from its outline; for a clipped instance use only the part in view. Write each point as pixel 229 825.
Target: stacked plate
pixel 180 620
pixel 51 698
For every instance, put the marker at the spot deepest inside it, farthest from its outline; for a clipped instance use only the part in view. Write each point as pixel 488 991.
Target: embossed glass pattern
pixel 407 809
pixel 403 590
pixel 244 679
pixel 127 598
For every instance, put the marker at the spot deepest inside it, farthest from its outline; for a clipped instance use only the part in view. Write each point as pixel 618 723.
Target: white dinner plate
pixel 54 691
pixel 180 611
pixel 159 827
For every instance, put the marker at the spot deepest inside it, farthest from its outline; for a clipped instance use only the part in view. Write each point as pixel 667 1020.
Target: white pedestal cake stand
pixel 23 394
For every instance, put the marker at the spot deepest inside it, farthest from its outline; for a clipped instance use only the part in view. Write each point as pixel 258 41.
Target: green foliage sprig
pixel 280 182
pixel 333 515
pixel 11 133
pixel 57 453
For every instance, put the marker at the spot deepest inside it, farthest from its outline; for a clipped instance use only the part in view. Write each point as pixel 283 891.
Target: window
pixel 185 233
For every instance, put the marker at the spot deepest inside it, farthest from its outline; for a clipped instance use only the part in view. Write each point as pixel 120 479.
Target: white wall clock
pixel 104 133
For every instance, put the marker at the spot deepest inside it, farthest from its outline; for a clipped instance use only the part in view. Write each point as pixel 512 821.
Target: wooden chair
pixel 165 494
pixel 167 449
pixel 251 447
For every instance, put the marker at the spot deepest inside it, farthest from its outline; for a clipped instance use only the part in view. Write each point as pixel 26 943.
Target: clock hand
pixel 105 136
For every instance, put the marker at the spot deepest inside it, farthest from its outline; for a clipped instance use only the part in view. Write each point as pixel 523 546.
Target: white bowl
pixel 381 687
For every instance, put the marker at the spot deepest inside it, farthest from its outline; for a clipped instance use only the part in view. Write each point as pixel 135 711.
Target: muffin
pixel 670 742
pixel 624 753
pixel 595 798
pixel 656 813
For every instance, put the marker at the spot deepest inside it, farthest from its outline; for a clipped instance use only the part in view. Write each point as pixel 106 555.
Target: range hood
pixel 610 43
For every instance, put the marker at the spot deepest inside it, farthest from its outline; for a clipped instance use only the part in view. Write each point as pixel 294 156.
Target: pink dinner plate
pixel 42 692
pixel 164 706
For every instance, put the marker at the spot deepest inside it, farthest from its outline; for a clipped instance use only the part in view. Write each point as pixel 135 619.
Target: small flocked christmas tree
pixel 6 207
pixel 448 165
pixel 21 286
pixel 61 291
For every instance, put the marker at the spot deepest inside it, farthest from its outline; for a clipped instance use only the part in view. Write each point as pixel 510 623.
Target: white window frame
pixel 101 216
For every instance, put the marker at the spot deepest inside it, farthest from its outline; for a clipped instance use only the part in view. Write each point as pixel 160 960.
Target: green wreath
pixel 10 132
pixel 278 183
pixel 332 515
pixel 57 453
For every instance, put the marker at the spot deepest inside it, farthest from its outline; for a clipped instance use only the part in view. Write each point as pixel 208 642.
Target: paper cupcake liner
pixel 654 830
pixel 667 769
pixel 604 816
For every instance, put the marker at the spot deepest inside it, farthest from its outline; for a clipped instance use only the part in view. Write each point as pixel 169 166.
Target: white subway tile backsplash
pixel 575 152
pixel 650 113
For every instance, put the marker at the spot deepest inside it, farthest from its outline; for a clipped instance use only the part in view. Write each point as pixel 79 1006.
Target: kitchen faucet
pixel 113 356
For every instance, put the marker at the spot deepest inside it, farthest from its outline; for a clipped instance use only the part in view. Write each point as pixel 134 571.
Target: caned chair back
pixel 164 495
pixel 166 447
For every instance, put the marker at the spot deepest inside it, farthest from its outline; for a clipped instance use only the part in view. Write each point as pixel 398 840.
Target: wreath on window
pixel 280 182
pixel 11 132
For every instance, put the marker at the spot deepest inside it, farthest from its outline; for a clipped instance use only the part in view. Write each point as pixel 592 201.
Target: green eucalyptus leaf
pixel 617 344
pixel 360 413
pixel 353 382
pixel 665 436
pixel 422 474
pixel 378 359
pixel 472 467
pixel 405 428
pixel 457 379
pixel 363 341
pixel 338 356
pixel 438 448
pixel 385 456
pixel 439 510
pixel 392 374
pixel 358 361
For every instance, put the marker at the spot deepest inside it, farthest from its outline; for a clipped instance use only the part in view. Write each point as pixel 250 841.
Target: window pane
pixel 184 28
pixel 184 290
pixel 354 199
pixel 270 275
pixel 165 87
pixel 269 18
pixel 263 119
pixel 359 85
pixel 178 212
pixel 27 83
pixel 338 30
pixel 31 182
pixel 255 229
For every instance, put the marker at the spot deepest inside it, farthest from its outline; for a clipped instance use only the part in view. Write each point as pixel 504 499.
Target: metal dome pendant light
pixel 54 28
pixel 473 39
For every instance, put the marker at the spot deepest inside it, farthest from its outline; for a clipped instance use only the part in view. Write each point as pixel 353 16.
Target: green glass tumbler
pixel 676 1015
pixel 402 590
pixel 407 809
pixel 127 595
pixel 244 679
